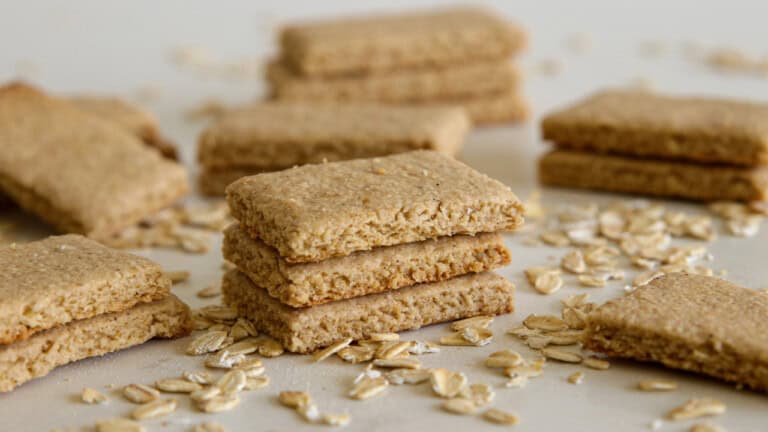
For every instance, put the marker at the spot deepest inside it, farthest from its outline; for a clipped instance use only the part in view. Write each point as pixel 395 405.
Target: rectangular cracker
pixel 307 329
pixel 47 283
pixel 316 212
pixel 660 178
pixel 434 38
pixel 281 135
pixel 79 173
pixel 362 273
pixel 695 323
pixel 666 127
pixel 401 86
pixel 132 118
pixel 96 336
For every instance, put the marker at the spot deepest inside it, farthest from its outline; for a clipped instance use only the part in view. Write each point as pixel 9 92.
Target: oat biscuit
pixel 47 283
pixel 307 329
pixel 653 177
pixel 79 173
pixel 409 86
pixel 377 270
pixel 655 126
pixel 695 323
pixel 99 335
pixel 316 212
pixel 375 44
pixel 281 135
pixel 132 118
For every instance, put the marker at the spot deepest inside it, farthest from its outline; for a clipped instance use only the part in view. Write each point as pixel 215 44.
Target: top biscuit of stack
pixel 316 212
pixel 80 173
pixel 377 44
pixel 643 124
pixel 51 282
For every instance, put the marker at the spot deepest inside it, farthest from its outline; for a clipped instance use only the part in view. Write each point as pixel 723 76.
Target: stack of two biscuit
pixel 68 298
pixel 348 249
pixel 695 148
pixel 458 56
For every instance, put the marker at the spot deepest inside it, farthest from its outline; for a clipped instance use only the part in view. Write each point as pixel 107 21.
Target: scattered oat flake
pixel 384 337
pixel 177 385
pixel 255 383
pixel 555 238
pixel 460 406
pixel 545 323
pixel 270 348
pixel 392 349
pixel 219 403
pixel 594 281
pixel 203 378
pixel 498 416
pixel 157 408
pixel 356 354
pixel 140 394
pixel 331 350
pixel 205 393
pixel 210 291
pixel 561 355
pixel 446 383
pixel 92 396
pixel 576 377
pixel 403 363
pixel 455 339
pixel 335 419
pixel 207 342
pixel 232 382
pixel 177 276
pixel 481 394
pixel 696 408
pixel 657 385
pixel 504 359
pixel 596 363
pixel 481 321
pixel 477 336
pixel 368 388
pixel 295 399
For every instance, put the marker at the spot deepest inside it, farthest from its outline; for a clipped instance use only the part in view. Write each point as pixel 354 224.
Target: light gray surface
pixel 119 47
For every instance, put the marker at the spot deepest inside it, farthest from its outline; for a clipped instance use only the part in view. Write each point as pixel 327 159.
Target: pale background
pixel 127 48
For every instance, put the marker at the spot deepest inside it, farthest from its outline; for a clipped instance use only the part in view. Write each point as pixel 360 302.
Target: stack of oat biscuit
pixel 682 147
pixel 457 56
pixel 68 298
pixel 347 249
pixel 275 136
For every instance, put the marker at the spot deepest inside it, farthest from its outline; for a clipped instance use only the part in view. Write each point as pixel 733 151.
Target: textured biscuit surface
pixel 377 270
pixel 51 282
pixel 374 44
pixel 650 125
pixel 696 323
pixel 316 212
pixel 288 134
pixel 307 329
pixel 653 177
pixel 102 334
pixel 463 80
pixel 79 173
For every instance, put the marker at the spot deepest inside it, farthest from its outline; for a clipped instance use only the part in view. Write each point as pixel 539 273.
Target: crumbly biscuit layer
pixel 362 273
pixel 284 134
pixel 48 283
pixel 102 334
pixel 655 126
pixel 307 329
pixel 435 38
pixel 661 178
pixel 316 212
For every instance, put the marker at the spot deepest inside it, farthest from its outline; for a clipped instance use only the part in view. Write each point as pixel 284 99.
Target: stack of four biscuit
pixel 348 249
